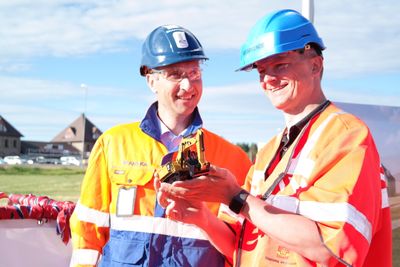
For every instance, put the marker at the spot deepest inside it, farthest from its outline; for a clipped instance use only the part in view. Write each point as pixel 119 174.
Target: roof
pixel 6 129
pixel 82 129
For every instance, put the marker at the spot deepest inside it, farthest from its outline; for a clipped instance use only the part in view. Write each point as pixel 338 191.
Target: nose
pixel 185 84
pixel 266 79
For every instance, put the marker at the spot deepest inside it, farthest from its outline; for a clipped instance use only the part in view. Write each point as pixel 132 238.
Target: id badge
pixel 126 201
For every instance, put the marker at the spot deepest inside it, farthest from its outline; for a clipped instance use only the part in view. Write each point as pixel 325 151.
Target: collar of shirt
pixel 169 139
pixel 152 126
pixel 288 139
pixel 290 135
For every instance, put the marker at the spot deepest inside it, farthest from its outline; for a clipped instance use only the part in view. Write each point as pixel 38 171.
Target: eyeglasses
pixel 178 74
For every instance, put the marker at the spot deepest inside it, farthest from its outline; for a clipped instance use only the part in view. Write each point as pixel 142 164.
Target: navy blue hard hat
pixel 169 44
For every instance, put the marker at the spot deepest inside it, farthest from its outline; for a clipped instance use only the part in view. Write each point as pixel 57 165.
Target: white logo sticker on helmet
pixel 180 39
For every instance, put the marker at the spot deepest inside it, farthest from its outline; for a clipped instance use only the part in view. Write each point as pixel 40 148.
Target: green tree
pixel 244 146
pixel 251 149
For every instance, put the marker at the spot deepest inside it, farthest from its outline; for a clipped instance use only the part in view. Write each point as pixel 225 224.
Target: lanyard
pixel 283 174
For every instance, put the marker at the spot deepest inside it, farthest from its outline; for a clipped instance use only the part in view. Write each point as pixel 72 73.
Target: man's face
pixel 288 80
pixel 178 87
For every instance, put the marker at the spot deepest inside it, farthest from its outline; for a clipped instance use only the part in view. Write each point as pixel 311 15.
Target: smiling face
pixel 178 87
pixel 291 80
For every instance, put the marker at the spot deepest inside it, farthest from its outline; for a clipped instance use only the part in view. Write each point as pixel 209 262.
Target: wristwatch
pixel 238 201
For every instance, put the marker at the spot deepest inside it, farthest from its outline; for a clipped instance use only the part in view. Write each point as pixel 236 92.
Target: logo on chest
pixel 134 163
pixel 282 252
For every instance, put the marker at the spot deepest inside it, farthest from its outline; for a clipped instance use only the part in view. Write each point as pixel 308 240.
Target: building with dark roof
pixel 10 139
pixel 80 134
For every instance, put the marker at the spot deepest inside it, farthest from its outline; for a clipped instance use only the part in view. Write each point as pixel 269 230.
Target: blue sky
pixel 49 48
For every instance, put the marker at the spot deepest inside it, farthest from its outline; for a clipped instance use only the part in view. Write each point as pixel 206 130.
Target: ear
pixel 150 83
pixel 317 63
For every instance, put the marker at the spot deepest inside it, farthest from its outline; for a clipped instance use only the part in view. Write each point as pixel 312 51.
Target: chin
pixel 185 110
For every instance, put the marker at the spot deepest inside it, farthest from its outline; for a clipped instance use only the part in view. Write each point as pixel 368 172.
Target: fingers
pixel 203 188
pixel 162 200
pixel 173 213
pixel 156 182
pixel 162 194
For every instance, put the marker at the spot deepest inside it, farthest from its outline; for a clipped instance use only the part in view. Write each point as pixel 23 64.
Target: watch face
pixel 243 196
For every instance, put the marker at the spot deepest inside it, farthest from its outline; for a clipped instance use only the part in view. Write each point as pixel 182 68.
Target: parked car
pixel 43 160
pixel 13 160
pixel 26 160
pixel 70 160
pixel 2 161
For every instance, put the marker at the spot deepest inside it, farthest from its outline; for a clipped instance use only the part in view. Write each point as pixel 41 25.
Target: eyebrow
pixel 274 58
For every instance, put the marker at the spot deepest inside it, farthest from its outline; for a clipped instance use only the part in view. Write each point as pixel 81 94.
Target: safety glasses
pixel 176 74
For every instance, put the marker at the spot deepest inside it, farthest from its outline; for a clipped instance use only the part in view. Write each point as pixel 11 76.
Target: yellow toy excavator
pixel 188 162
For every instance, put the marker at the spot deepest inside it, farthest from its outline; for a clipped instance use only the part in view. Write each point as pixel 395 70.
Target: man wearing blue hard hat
pixel 117 221
pixel 316 195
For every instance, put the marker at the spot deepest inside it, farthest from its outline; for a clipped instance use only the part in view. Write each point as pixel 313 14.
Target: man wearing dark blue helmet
pixel 316 195
pixel 117 221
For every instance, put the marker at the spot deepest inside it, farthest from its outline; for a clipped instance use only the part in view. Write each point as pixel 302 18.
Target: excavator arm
pixel 189 162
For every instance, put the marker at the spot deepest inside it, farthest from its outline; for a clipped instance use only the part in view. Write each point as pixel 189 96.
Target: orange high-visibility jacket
pixel 125 158
pixel 331 175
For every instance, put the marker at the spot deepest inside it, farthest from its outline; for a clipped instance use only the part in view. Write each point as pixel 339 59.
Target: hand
pixel 179 209
pixel 219 185
pixel 191 212
pixel 161 191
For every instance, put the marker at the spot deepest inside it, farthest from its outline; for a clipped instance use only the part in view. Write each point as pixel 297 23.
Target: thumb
pixel 156 183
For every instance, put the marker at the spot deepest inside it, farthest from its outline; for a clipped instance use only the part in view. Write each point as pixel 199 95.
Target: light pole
pixel 308 9
pixel 85 88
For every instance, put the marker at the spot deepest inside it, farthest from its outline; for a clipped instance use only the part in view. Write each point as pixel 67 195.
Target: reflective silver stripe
pixel 304 165
pixel 85 214
pixel 383 177
pixel 84 257
pixel 325 212
pixel 255 183
pixel 156 225
pixel 385 198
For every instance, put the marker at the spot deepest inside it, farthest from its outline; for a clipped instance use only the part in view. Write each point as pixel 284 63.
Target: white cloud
pixel 39 109
pixel 29 89
pixel 362 36
pixel 239 112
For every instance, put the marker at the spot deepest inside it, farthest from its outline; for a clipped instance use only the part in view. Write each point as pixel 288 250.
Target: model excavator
pixel 187 163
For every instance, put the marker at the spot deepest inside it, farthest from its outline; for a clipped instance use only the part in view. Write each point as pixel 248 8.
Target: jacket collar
pixel 151 124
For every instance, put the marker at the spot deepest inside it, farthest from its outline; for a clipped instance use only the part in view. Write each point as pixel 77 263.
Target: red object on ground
pixel 40 208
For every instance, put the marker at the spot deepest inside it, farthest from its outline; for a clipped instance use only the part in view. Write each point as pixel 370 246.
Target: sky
pixel 61 58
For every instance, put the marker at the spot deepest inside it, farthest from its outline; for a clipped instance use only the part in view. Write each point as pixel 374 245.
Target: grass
pixel 396 247
pixel 63 184
pixel 60 183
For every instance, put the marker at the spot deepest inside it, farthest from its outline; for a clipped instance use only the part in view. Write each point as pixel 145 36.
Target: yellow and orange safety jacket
pixel 331 175
pixel 119 178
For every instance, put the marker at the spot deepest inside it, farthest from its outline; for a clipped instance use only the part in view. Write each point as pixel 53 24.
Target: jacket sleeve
pixel 90 220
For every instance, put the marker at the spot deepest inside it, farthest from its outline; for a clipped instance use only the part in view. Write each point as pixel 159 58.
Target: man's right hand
pixel 180 209
pixel 219 185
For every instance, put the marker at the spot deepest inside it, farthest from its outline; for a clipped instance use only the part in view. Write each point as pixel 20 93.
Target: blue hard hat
pixel 169 44
pixel 278 32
